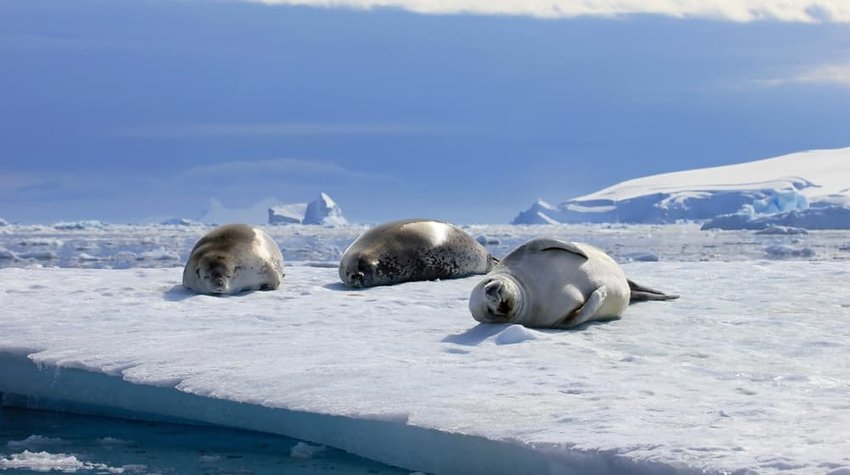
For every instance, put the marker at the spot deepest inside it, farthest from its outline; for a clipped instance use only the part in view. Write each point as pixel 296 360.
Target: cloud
pixel 281 172
pixel 280 129
pixel 804 11
pixel 266 167
pixel 11 182
pixel 829 74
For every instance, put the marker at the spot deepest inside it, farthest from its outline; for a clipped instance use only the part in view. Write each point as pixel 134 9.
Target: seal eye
pixel 198 272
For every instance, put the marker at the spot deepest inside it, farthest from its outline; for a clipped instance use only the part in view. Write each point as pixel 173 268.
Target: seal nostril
pixel 357 279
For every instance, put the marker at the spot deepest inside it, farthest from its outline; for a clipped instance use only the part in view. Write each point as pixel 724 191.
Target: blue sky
pixel 125 109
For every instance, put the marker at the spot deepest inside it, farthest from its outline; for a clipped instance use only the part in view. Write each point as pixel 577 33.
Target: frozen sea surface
pixel 747 373
pixel 128 246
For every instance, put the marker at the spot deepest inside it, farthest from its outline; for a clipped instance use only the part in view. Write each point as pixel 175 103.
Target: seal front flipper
pixel 545 244
pixel 587 311
pixel 640 293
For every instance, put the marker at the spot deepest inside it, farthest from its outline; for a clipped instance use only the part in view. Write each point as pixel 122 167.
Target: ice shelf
pixel 746 372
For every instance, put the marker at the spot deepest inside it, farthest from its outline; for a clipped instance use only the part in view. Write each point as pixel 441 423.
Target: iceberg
pixel 822 217
pixel 79 225
pixel 322 211
pixel 790 183
pixel 179 222
pixel 287 214
pixel 217 213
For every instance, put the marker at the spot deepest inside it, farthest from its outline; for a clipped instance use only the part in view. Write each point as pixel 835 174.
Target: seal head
pixel 234 258
pixel 497 299
pixel 215 272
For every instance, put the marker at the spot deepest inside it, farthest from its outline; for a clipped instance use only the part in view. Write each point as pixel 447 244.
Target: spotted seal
pixel 412 250
pixel 234 258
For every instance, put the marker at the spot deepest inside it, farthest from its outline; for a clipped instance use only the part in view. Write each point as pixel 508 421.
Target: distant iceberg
pixel 217 213
pixel 179 222
pixel 322 211
pixel 79 225
pixel 809 187
pixel 287 214
pixel 827 217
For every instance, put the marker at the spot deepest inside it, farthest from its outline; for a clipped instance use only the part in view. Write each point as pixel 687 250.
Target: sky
pixel 467 111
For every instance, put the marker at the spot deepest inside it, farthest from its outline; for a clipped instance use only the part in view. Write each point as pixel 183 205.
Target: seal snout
pixel 356 279
pixel 493 291
pixel 492 301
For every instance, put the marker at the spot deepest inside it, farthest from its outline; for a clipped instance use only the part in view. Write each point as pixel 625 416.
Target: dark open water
pixel 40 441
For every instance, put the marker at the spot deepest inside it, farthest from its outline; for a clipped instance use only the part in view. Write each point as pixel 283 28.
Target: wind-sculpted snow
pixel 786 184
pixel 743 374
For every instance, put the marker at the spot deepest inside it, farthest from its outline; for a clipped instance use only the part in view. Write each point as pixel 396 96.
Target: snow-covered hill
pixel 797 182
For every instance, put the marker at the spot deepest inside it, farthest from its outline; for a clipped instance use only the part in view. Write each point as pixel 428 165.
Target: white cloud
pixel 264 167
pixel 805 11
pixel 280 129
pixel 830 74
pixel 11 182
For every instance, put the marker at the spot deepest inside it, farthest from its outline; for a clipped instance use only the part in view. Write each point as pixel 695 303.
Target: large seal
pixel 547 283
pixel 234 258
pixel 410 250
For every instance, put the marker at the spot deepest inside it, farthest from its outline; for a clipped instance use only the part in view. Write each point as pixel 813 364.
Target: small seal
pixel 234 258
pixel 548 283
pixel 412 250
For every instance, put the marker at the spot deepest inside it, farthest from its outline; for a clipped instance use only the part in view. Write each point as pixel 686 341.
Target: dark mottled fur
pixel 392 253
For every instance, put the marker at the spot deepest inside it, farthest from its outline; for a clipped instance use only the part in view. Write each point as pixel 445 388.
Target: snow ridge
pixel 795 182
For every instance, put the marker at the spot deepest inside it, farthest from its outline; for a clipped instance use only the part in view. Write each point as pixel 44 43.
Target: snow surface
pixel 819 178
pixel 746 373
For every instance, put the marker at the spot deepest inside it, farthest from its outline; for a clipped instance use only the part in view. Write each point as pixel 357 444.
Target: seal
pixel 548 283
pixel 412 250
pixel 234 258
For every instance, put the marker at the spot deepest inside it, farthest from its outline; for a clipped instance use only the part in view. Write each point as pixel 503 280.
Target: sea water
pixel 43 441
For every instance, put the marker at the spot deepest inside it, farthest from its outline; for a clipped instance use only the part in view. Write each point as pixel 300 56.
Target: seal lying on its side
pixel 234 258
pixel 547 283
pixel 410 250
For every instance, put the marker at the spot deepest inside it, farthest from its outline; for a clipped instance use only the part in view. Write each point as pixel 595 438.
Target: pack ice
pixel 746 373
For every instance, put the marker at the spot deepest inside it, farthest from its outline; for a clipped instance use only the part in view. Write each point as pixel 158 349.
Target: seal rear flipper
pixel 491 262
pixel 586 312
pixel 640 293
